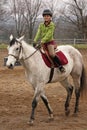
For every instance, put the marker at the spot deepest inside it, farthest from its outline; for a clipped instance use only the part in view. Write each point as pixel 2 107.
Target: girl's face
pixel 47 18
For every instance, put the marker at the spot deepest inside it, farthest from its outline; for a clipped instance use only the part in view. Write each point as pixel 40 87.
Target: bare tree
pixel 76 13
pixel 2 10
pixel 32 9
pixel 4 17
pixel 25 13
pixel 16 12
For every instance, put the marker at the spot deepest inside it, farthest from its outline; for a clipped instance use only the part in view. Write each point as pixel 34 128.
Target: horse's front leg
pixel 34 105
pixel 50 111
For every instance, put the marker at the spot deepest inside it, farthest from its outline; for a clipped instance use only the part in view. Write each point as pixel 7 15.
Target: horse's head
pixel 14 51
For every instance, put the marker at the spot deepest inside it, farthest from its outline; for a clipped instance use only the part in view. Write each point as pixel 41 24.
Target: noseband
pixel 17 58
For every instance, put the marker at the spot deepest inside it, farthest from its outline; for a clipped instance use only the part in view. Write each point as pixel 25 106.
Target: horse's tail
pixel 83 85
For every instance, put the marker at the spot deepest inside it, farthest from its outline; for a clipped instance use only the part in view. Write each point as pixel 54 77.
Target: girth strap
pixel 51 75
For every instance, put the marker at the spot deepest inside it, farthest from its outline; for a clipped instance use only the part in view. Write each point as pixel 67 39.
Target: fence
pixel 59 41
pixel 71 41
pixel 66 41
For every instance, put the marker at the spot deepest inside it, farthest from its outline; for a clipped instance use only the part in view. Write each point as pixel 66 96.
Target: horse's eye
pixel 17 49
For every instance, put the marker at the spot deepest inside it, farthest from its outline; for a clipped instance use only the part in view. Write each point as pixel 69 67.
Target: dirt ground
pixel 16 96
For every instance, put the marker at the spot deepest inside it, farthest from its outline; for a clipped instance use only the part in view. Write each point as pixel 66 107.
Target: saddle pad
pixel 62 57
pixel 59 54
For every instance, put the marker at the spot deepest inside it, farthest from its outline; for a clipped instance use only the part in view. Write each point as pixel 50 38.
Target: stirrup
pixel 62 69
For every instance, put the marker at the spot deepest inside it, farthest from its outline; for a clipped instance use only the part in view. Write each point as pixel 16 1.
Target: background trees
pixel 24 13
pixel 4 17
pixel 21 17
pixel 75 13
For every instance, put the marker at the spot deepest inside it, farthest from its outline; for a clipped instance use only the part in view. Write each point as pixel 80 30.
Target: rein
pixel 31 54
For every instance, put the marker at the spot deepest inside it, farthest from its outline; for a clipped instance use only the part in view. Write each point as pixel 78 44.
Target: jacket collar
pixel 47 23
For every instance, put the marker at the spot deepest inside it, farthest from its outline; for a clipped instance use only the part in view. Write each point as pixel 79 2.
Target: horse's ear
pixel 21 38
pixel 11 37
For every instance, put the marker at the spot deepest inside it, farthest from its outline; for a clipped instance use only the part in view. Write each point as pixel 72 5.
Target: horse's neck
pixel 27 49
pixel 33 60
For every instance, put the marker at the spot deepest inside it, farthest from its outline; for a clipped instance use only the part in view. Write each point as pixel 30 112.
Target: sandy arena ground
pixel 16 96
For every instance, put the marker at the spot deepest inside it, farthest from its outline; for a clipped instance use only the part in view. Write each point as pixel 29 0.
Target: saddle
pixel 48 61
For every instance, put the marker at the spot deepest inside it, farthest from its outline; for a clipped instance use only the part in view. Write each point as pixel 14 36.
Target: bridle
pixel 17 57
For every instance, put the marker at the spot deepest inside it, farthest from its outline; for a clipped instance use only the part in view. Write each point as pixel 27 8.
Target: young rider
pixel 45 34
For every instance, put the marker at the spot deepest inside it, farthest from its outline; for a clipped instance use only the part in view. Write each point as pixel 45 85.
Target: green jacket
pixel 45 33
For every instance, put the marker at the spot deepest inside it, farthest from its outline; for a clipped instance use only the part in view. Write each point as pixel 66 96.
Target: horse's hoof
pixel 75 115
pixel 31 122
pixel 67 112
pixel 51 118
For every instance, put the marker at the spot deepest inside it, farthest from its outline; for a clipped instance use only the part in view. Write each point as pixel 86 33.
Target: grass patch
pixel 80 46
pixel 3 46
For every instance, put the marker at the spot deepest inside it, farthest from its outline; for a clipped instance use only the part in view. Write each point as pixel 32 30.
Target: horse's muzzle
pixel 11 66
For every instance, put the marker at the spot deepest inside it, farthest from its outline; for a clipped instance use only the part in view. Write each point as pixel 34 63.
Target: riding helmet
pixel 47 12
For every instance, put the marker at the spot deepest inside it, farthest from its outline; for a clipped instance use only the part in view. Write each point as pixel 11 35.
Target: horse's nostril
pixel 10 66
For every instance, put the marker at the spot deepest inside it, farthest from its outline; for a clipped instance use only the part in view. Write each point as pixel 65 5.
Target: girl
pixel 45 34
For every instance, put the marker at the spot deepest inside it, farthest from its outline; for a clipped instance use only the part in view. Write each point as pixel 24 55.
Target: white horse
pixel 38 73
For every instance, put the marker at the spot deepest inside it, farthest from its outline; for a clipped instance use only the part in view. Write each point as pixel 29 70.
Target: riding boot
pixel 57 61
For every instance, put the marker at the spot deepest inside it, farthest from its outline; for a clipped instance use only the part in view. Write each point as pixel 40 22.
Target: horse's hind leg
pixel 77 93
pixel 69 94
pixel 76 80
pixel 69 89
pixel 45 100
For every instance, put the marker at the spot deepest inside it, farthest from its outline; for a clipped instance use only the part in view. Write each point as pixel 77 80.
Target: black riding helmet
pixel 47 12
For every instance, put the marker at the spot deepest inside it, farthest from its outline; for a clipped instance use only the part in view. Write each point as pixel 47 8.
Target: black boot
pixel 57 61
